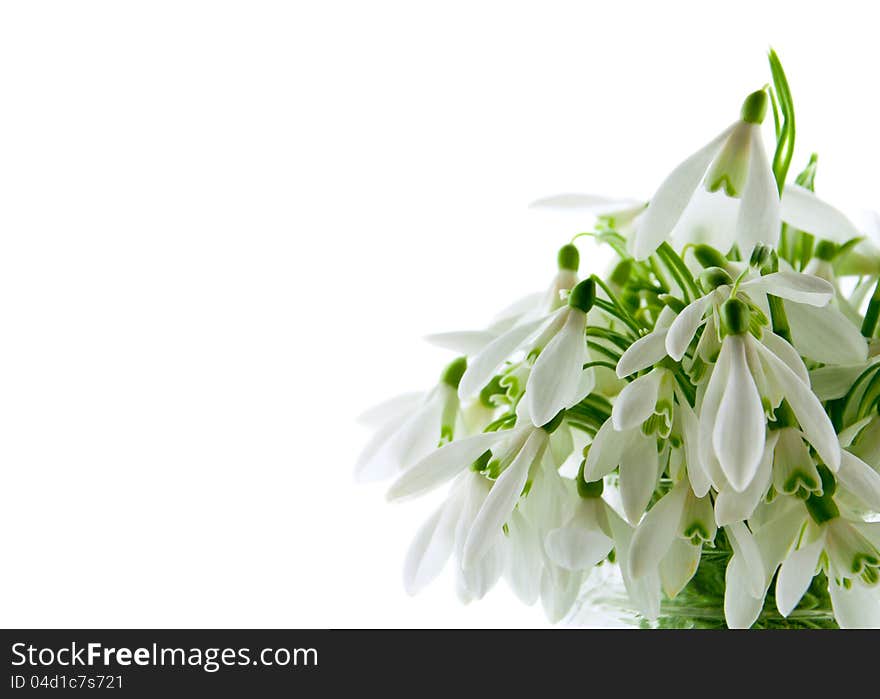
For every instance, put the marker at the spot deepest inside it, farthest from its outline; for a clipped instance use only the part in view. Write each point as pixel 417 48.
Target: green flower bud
pixel 569 258
pixel 454 371
pixel 583 295
pixel 620 274
pixel 754 108
pixel 736 316
pixel 826 250
pixel 713 277
pixel 708 256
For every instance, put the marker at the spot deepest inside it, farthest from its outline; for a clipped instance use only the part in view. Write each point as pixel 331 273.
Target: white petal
pixel 709 219
pixel 786 284
pixel 477 580
pixel 788 354
pixel 758 220
pixel 501 500
pixel 574 547
pixel 708 409
pixel 644 592
pixel 636 401
pixel 444 464
pixel 521 308
pixel 697 475
pixel 526 562
pixel 731 506
pixel 594 204
pixel 738 436
pixel 554 379
pixel 644 352
pixel 860 479
pixel 741 608
pixel 855 608
pixel 678 566
pixel 464 342
pixel 605 452
pixel 368 467
pixel 812 327
pixel 795 576
pixel 431 548
pixel 672 197
pixel 391 410
pixel 743 544
pixel 417 436
pixel 684 327
pixel 805 211
pixel 656 532
pixel 831 382
pixel 559 592
pixel 486 362
pixel 639 465
pixel 813 419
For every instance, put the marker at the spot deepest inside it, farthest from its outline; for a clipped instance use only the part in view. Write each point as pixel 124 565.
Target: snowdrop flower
pixel 527 309
pixel 410 426
pixel 512 456
pixel 846 549
pixel 557 379
pixel 669 540
pixel 443 534
pixel 724 194
pixel 749 374
pixel 635 455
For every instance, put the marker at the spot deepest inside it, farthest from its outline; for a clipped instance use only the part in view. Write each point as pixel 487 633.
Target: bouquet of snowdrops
pixel 702 418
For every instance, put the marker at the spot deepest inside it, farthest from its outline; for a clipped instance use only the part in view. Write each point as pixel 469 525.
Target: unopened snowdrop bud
pixel 826 250
pixel 754 108
pixel 569 258
pixel 454 371
pixel 708 256
pixel 713 277
pixel 736 316
pixel 621 272
pixel 583 295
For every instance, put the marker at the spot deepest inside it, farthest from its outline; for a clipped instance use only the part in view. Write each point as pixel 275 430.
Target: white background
pixel 226 226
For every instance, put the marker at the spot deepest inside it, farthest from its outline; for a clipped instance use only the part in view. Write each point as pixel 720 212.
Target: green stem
pixel 678 269
pixel 872 315
pixel 778 318
pixel 624 314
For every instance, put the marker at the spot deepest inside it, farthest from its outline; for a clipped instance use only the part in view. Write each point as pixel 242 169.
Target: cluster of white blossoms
pixel 709 404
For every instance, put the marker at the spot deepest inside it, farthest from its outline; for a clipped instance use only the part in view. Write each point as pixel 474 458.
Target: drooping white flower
pixel 724 194
pixel 410 426
pixel 749 373
pixel 557 380
pixel 636 456
pixel 522 312
pixel 848 550
pixel 669 539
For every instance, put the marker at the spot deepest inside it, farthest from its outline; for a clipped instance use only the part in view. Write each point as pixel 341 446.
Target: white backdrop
pixel 226 226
